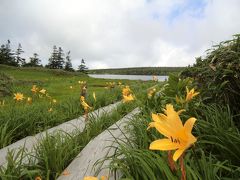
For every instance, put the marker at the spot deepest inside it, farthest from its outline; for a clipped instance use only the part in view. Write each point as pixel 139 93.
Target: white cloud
pixel 123 33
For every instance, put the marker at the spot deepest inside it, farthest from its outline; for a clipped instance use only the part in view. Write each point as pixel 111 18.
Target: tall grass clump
pixel 56 151
pixel 218 74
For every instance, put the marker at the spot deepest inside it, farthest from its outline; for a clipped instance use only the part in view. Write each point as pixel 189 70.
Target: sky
pixel 119 33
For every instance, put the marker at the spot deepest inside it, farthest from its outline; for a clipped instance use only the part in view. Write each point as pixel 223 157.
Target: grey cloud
pixel 122 33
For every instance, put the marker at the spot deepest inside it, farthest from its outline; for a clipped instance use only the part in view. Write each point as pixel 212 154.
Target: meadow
pixel 60 102
pixel 188 127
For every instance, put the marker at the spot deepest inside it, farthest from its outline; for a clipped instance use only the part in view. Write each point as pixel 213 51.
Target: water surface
pixel 129 77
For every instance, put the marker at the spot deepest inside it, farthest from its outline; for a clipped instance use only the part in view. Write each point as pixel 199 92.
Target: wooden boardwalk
pixel 98 148
pixel 30 141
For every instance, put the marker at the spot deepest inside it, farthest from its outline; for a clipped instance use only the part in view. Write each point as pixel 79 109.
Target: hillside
pixel 138 70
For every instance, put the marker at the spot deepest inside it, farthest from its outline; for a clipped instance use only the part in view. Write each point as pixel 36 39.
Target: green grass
pixel 54 153
pixel 19 119
pixel 215 155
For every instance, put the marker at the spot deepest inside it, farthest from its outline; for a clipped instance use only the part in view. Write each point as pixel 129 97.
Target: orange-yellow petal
pixel 189 124
pixel 177 154
pixel 90 178
pixel 163 144
pixel 155 117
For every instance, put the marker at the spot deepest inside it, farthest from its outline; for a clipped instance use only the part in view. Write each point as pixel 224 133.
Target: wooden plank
pixel 98 148
pixel 30 141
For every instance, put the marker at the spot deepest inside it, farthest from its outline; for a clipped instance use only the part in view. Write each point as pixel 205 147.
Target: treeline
pixel 58 59
pixel 138 70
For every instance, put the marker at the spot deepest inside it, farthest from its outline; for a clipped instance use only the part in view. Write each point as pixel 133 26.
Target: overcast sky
pixel 119 33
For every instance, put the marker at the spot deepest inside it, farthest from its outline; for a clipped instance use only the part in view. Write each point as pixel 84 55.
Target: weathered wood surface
pixel 30 141
pixel 98 148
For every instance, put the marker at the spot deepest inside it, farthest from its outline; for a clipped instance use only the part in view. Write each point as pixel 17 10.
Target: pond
pixel 129 77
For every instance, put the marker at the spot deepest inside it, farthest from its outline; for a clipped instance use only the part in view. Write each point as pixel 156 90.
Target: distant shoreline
pixel 138 71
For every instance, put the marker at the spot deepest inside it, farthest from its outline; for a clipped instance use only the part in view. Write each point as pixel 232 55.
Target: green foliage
pixel 5 84
pixel 55 152
pixel 218 74
pixel 215 155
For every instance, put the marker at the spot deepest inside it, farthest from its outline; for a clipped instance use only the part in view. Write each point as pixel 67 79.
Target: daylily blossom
pixel 29 100
pixel 94 96
pixel 128 98
pixel 43 91
pixel 179 100
pixel 18 96
pixel 38 178
pixel 82 82
pixel 190 94
pixel 90 178
pixel 54 101
pixel 179 136
pixel 151 92
pixel 95 178
pixel 34 89
pixel 155 78
pixel 50 109
pixel 65 173
pixel 127 94
pixel 126 91
pixel 84 104
pixel 70 87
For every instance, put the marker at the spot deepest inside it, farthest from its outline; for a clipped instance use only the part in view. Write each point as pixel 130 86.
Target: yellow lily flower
pixel 18 97
pixel 151 92
pixel 29 100
pixel 94 96
pixel 38 178
pixel 54 101
pixel 179 136
pixel 50 109
pixel 65 173
pixel 155 78
pixel 70 87
pixel 90 178
pixel 43 91
pixel 126 91
pixel 34 89
pixel 95 178
pixel 84 104
pixel 179 100
pixel 128 98
pixel 190 94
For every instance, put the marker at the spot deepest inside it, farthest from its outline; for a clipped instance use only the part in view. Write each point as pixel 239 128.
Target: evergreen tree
pixel 60 58
pixel 68 64
pixel 53 59
pixel 56 61
pixel 34 61
pixel 6 55
pixel 82 67
pixel 20 61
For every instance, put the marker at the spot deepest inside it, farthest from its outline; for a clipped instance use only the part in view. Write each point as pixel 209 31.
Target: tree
pixel 68 64
pixel 56 61
pixel 6 55
pixel 53 59
pixel 20 61
pixel 82 67
pixel 60 58
pixel 34 61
